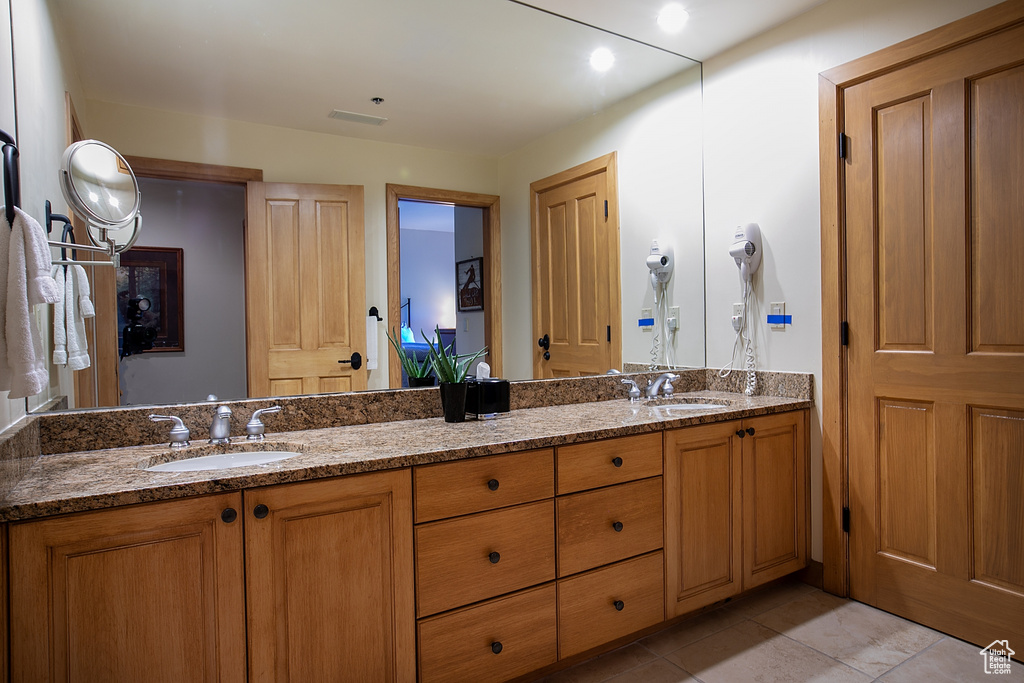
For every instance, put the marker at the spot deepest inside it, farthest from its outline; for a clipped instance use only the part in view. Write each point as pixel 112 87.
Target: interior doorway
pixel 105 347
pixel 439 234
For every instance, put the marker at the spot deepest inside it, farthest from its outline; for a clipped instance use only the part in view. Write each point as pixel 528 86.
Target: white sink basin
pixel 222 461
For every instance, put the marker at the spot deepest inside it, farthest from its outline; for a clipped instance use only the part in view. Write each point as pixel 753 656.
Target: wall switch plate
pixel 647 314
pixel 777 308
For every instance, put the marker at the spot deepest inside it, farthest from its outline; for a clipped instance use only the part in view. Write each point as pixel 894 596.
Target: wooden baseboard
pixel 813 574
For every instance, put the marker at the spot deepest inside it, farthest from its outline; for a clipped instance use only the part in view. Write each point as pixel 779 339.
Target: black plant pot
pixel 453 401
pixel 427 381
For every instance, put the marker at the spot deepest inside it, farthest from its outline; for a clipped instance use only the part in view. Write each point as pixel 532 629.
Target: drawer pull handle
pixel 617 461
pixel 618 604
pixel 229 515
pixel 740 433
pixel 494 557
pixel 493 484
pixel 260 511
pixel 617 526
pixel 496 647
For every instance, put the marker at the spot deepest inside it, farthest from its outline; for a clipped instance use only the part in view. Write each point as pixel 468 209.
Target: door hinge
pixel 606 208
pixel 609 334
pixel 843 140
pixel 844 333
pixel 846 520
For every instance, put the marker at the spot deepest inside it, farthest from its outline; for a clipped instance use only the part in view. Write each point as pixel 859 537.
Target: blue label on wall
pixel 780 320
pixel 646 322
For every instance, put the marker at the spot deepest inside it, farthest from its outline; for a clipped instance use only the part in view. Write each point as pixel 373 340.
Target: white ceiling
pixel 473 76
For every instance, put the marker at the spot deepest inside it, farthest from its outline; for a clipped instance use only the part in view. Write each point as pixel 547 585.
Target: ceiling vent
pixel 353 117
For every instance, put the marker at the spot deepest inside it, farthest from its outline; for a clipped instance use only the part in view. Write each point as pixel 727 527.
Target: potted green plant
pixel 418 371
pixel 451 370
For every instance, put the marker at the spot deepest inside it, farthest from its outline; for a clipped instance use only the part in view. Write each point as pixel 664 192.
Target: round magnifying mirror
pixel 100 187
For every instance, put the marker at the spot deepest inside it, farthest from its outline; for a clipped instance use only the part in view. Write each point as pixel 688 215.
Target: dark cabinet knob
pixel 547 355
pixel 494 557
pixel 618 604
pixel 750 430
pixel 260 511
pixel 496 647
pixel 229 515
pixel 617 526
pixel 544 342
pixel 493 484
pixel 740 433
pixel 617 461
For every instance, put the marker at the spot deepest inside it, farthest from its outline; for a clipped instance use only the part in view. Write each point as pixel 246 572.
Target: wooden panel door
pixel 775 489
pixel 703 532
pixel 305 288
pixel 935 230
pixel 143 593
pixel 575 235
pixel 329 570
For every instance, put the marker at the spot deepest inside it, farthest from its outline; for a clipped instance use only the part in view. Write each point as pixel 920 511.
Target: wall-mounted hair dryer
pixel 660 263
pixel 746 249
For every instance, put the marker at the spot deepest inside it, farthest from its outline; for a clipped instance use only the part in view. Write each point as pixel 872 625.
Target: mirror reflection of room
pixel 435 238
pixel 205 221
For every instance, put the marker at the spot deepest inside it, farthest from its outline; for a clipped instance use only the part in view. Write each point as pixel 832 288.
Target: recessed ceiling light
pixel 672 17
pixel 602 59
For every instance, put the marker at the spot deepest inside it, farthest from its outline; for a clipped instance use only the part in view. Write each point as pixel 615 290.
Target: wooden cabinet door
pixel 774 496
pixel 329 570
pixel 703 533
pixel 142 593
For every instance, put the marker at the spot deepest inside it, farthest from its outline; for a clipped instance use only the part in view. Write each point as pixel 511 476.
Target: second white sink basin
pixel 222 461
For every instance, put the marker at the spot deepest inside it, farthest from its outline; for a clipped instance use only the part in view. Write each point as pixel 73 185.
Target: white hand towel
pixel 27 283
pixel 85 308
pixel 78 354
pixel 60 334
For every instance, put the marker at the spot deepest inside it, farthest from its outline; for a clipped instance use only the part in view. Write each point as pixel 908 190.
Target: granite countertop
pixel 89 480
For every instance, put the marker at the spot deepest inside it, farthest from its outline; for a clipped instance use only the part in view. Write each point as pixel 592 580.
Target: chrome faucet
pixel 179 432
pixel 254 428
pixel 665 379
pixel 220 428
pixel 634 390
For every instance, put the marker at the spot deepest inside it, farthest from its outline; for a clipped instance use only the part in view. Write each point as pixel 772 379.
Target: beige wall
pixel 657 137
pixel 39 79
pixel 761 165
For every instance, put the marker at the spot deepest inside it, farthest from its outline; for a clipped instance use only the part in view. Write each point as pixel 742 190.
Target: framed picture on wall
pixel 469 279
pixel 153 274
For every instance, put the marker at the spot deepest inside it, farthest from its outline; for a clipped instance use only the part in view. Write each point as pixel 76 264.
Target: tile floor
pixel 790 632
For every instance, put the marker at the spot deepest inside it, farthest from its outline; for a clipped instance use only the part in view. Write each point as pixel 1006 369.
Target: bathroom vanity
pixel 407 550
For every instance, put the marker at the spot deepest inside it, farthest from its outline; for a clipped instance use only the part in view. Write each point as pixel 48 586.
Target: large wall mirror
pixel 479 96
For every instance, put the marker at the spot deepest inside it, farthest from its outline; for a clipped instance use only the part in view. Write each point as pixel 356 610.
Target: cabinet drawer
pixel 611 461
pixel 608 603
pixel 460 646
pixel 463 560
pixel 587 524
pixel 460 488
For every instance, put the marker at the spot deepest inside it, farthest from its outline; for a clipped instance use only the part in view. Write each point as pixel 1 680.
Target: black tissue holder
pixel 487 398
